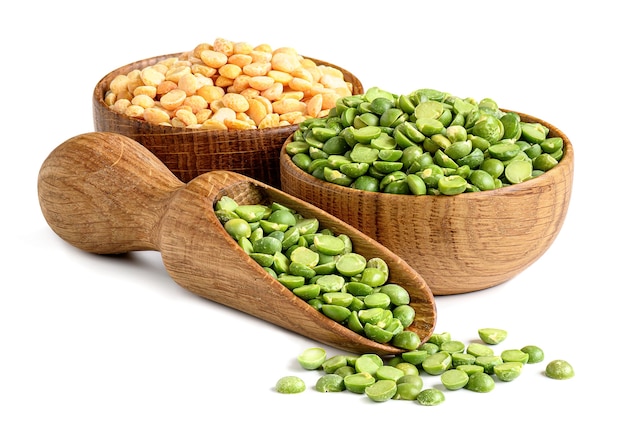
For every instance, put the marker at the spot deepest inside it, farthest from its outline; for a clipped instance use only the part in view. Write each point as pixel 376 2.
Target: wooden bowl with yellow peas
pixel 224 105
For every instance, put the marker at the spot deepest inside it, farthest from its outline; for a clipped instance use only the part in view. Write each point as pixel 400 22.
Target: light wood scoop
pixel 107 194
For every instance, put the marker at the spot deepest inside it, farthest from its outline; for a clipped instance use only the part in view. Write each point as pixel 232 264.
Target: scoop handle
pixel 103 193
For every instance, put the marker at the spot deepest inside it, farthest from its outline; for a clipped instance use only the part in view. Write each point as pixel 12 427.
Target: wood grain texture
pixel 105 193
pixel 461 243
pixel 191 152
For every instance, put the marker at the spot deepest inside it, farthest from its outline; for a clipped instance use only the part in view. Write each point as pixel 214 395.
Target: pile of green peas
pixel 425 142
pixel 473 366
pixel 322 269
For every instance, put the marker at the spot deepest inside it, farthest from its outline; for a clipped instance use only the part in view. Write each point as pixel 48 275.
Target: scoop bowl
pixel 105 193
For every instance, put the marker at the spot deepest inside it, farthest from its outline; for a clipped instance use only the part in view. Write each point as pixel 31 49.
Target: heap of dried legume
pixel 322 269
pixel 425 142
pixel 229 85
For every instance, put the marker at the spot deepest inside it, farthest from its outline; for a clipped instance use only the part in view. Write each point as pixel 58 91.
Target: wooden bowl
pixel 460 243
pixel 191 152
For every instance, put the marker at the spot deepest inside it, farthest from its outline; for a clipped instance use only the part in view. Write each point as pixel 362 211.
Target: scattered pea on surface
pixel 480 382
pixel 330 383
pixel 290 385
pixel 535 353
pixel 454 379
pixel 514 355
pixel 430 397
pixel 359 381
pixel 382 390
pixel 402 377
pixel 559 369
pixel 312 358
pixel 508 371
pixel 492 336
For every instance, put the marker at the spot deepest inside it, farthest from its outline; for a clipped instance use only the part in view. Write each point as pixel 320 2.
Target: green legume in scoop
pixel 307 292
pixel 337 298
pixel 377 333
pixel 252 213
pixel 405 314
pixel 332 283
pixel 377 299
pixel 373 277
pixel 396 293
pixel 238 228
pixel 339 314
pixel 328 244
pixel 407 340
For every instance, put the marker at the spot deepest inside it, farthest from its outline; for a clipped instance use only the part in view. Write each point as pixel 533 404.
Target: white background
pixel 109 351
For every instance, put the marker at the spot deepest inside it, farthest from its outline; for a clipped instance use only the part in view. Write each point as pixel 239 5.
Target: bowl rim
pixel 566 162
pixel 100 108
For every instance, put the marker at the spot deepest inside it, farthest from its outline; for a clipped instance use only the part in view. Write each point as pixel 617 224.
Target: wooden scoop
pixel 105 193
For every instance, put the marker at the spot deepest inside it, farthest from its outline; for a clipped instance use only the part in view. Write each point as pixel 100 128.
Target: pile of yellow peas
pixel 229 85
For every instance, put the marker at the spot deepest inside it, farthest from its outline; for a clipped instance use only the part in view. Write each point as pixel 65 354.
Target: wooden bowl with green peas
pixel 468 194
pixel 222 106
